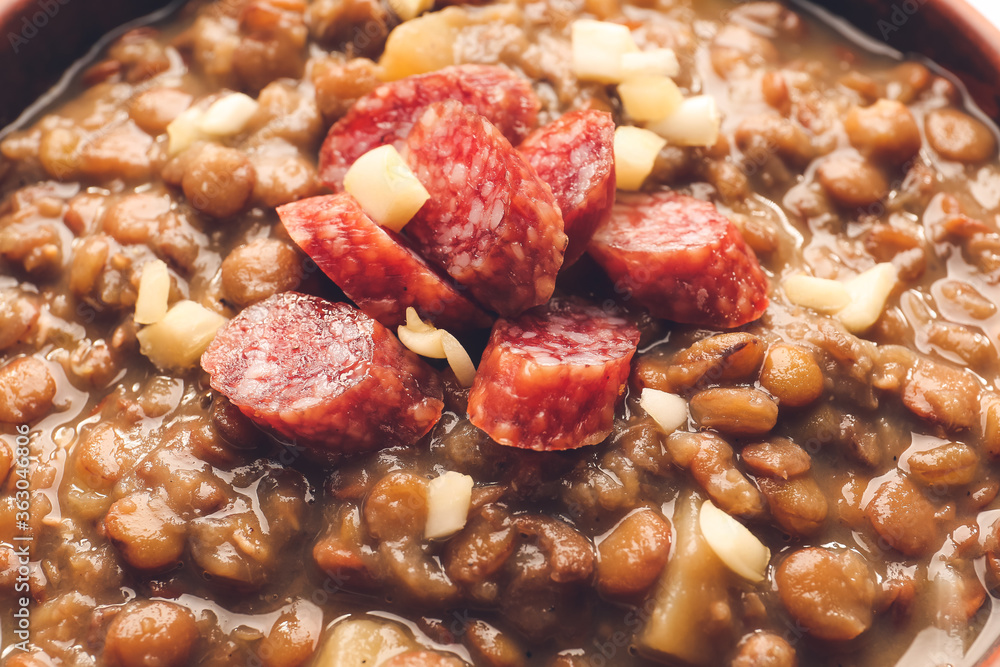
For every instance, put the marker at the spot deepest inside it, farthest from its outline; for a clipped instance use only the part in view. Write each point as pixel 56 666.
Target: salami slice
pixel 374 266
pixel 386 115
pixel 575 155
pixel 490 223
pixel 323 375
pixel 550 379
pixel 682 259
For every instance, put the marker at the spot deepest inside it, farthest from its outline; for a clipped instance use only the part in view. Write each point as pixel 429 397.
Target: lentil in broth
pixel 866 464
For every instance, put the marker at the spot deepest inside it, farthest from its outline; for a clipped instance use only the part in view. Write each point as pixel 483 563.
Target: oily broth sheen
pixel 170 409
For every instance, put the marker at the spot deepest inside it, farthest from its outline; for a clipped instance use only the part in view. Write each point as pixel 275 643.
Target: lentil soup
pixel 757 424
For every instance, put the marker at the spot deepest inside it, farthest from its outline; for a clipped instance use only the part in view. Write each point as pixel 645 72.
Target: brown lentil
pixel 885 131
pixel 791 374
pixel 852 182
pixel 145 633
pixel 831 593
pixel 903 517
pixel 737 411
pixel 218 181
pixel 255 271
pixel 27 390
pixel 633 554
pixel 764 649
pixel 956 135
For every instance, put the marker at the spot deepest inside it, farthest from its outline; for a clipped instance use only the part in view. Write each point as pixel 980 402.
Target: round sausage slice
pixel 375 267
pixel 575 155
pixel 323 375
pixel 682 259
pixel 491 223
pixel 386 115
pixel 550 379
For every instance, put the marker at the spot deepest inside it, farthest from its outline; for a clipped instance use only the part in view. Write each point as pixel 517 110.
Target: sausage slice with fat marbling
pixel 386 115
pixel 575 155
pixel 323 375
pixel 490 223
pixel 550 379
pixel 682 259
pixel 376 268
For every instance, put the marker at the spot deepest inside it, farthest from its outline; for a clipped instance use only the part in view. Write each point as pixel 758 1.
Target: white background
pixel 989 8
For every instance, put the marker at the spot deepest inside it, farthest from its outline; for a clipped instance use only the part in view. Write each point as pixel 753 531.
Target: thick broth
pixel 148 486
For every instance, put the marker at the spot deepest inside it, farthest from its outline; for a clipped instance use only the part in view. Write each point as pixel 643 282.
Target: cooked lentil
pixel 167 529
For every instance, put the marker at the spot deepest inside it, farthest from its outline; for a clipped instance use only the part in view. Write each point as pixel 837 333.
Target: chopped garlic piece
pixel 869 292
pixel 733 543
pixel 385 187
pixel 228 115
pixel 635 153
pixel 448 500
pixel 428 341
pixel 655 62
pixel 184 130
pixel 696 122
pixel 179 338
pixel 598 47
pixel 414 322
pixel 459 360
pixel 154 293
pixel 650 97
pixel 424 343
pixel 410 9
pixel 670 411
pixel 420 337
pixel 820 294
pixel 360 642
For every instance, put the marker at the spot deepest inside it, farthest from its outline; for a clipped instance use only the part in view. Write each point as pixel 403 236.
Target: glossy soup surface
pixel 161 523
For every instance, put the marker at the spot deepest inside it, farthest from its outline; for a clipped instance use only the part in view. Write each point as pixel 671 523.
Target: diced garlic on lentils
pixel 178 339
pixel 821 294
pixel 869 292
pixel 184 130
pixel 635 153
pixel 360 642
pixel 154 293
pixel 408 10
pixel 448 499
pixel 733 543
pixel 228 115
pixel 654 62
pixel 598 47
pixel 696 122
pixel 649 98
pixel 385 187
pixel 428 341
pixel 669 411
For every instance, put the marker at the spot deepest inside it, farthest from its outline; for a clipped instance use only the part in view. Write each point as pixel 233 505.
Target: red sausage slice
pixel 682 259
pixel 323 375
pixel 550 378
pixel 386 115
pixel 490 223
pixel 575 155
pixel 373 265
